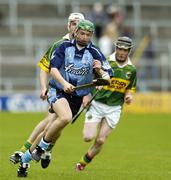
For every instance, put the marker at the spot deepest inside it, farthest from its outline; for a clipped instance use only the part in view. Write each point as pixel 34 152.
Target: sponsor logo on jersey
pixel 77 71
pixel 118 85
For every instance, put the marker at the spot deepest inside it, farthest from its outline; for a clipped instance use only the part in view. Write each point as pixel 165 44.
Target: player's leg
pixel 108 123
pixel 46 157
pixel 90 131
pixel 112 116
pixel 41 126
pixel 15 158
pixel 62 108
pixel 65 106
pixel 92 120
pixel 104 131
pixel 26 157
pixel 102 135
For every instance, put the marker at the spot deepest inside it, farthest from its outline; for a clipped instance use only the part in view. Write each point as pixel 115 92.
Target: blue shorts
pixel 74 101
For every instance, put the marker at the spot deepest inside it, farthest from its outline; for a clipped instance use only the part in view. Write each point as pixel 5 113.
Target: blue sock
pixel 26 158
pixel 44 144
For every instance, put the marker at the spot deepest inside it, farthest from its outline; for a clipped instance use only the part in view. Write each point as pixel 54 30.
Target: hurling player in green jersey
pixel 105 110
pixel 44 64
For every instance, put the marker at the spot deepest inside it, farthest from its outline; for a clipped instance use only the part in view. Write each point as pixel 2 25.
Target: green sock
pixel 26 146
pixel 86 159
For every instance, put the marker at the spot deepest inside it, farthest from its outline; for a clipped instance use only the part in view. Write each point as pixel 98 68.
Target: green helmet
pixel 86 25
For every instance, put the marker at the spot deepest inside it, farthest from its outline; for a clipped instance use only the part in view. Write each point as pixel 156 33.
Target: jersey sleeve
pixel 44 63
pixel 58 56
pixel 97 54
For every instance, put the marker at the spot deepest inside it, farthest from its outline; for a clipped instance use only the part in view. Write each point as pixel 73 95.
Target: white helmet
pixel 75 16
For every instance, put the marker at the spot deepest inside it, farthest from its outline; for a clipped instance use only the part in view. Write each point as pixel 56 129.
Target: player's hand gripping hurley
pixel 95 82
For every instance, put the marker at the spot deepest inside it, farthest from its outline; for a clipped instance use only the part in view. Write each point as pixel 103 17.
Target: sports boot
pixel 45 159
pixel 37 153
pixel 22 170
pixel 79 167
pixel 16 157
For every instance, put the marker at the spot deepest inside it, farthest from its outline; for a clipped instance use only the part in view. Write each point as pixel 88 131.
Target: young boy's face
pixel 83 37
pixel 72 26
pixel 122 54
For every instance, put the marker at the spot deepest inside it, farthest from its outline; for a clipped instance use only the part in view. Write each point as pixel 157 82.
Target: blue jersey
pixel 76 66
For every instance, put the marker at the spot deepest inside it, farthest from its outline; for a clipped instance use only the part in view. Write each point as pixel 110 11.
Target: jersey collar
pixel 73 41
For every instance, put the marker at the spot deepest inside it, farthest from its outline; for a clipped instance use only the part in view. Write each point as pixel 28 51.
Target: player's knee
pixel 88 137
pixel 100 141
pixel 51 117
pixel 65 119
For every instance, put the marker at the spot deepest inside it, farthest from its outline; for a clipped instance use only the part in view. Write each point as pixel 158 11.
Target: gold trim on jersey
pixel 44 64
pixel 132 90
pixel 117 84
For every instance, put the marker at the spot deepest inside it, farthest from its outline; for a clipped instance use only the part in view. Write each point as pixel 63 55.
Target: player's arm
pixel 44 65
pixel 128 97
pixel 67 87
pixel 103 69
pixel 43 76
pixel 55 64
pixel 98 69
pixel 131 89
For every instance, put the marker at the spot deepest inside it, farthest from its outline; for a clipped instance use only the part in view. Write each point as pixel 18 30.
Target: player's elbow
pixel 52 71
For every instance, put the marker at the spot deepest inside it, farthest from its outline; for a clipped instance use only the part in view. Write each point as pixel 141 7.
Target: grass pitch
pixel 138 149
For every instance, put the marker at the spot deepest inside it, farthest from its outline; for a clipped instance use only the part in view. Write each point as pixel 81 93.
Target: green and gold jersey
pixel 124 78
pixel 44 63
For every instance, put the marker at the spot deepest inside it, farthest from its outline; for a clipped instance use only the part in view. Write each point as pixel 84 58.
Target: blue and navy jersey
pixel 76 66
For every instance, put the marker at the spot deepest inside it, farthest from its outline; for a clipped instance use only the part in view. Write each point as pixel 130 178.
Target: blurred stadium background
pixel 29 27
pixel 140 148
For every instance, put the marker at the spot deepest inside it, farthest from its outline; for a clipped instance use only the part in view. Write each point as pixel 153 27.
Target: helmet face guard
pixel 124 43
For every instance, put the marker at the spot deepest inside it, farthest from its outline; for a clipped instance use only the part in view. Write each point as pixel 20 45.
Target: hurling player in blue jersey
pixel 44 65
pixel 72 64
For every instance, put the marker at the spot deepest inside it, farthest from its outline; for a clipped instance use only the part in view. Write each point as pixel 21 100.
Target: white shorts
pixel 98 110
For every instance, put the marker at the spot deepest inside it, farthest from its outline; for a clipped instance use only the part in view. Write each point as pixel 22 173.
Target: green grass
pixel 138 149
